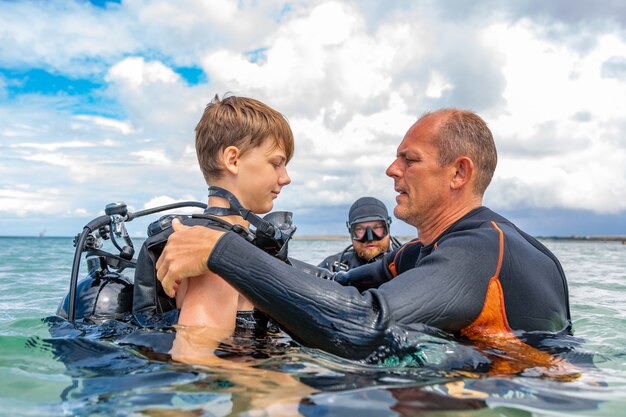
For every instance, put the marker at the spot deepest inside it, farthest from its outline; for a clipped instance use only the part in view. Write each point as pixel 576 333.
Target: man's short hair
pixel 237 121
pixel 464 133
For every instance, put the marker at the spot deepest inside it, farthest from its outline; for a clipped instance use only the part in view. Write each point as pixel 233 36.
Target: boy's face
pixel 262 174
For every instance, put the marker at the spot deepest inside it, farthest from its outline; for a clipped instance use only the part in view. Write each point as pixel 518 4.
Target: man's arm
pixel 317 312
pixel 323 314
pixel 447 291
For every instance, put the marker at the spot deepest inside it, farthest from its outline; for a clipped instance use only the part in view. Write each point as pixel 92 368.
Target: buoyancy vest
pixel 149 298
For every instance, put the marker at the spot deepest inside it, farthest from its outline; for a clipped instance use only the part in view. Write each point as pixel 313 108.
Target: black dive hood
pixel 367 209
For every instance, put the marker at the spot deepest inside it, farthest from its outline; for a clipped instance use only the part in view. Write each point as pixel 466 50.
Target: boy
pixel 243 146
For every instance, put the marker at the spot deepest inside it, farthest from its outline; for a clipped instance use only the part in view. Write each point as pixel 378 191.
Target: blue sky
pixel 98 102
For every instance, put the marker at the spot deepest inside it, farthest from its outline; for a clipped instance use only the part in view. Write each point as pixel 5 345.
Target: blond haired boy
pixel 243 146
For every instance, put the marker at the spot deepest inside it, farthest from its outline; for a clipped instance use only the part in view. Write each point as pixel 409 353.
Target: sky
pixel 99 101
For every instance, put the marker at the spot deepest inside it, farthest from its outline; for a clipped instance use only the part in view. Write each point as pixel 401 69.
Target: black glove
pixel 341 277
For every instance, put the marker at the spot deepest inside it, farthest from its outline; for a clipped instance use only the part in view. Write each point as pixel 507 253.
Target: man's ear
pixel 463 172
pixel 230 159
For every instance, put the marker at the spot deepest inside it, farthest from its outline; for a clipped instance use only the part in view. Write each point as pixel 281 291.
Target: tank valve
pixel 118 208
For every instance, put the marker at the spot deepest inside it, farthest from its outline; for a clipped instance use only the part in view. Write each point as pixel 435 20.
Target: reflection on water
pixel 279 377
pixel 51 368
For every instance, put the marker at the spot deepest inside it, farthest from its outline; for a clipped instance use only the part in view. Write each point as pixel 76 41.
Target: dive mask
pixel 369 233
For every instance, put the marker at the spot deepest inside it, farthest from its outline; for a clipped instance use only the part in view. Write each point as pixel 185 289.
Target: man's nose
pixel 393 170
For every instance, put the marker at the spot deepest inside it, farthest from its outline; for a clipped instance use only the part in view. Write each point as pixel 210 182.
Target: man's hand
pixel 185 254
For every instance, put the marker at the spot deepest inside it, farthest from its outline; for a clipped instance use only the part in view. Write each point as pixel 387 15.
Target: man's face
pixel 370 249
pixel 421 183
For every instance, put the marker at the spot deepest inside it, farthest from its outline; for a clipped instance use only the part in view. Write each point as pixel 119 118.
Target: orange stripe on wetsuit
pixel 491 329
pixel 392 266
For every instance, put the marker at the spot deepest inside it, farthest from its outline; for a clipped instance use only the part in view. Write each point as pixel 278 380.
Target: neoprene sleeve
pixel 316 312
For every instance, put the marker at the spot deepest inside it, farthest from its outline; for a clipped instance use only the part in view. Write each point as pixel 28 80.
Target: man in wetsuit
pixel 369 227
pixel 471 272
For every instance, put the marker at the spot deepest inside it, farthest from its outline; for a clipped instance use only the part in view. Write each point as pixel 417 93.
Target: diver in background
pixel 369 227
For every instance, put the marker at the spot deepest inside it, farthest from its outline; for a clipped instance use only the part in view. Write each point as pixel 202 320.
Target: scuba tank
pixel 106 293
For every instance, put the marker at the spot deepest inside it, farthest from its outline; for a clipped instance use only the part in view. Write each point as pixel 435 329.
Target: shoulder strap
pixel 395 244
pixel 213 220
pixel 262 226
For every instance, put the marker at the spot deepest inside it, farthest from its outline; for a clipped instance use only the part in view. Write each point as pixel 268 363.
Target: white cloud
pixel 22 200
pixel 158 101
pixel 135 72
pixel 92 37
pixel 350 76
pixel 437 85
pixel 547 80
pixel 550 156
pixel 78 212
pixel 161 200
pixel 116 125
pixel 320 50
pixel 53 146
pixel 88 32
pixel 153 157
pixel 164 200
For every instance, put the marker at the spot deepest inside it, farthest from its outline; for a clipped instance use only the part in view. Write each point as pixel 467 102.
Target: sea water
pixel 105 378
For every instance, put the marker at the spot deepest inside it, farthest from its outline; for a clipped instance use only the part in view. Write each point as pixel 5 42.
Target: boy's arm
pixel 210 302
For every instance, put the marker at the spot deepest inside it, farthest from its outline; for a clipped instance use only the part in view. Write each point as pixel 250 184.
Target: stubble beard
pixel 404 214
pixel 369 253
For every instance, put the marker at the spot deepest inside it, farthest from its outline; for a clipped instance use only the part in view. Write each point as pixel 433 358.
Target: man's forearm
pixel 317 312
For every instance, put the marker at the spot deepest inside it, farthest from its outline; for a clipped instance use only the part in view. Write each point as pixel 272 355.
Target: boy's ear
pixel 230 158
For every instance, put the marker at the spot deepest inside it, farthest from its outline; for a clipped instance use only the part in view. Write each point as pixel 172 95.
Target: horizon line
pixel 347 238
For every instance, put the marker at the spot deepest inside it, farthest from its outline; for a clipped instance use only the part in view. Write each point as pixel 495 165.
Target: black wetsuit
pixel 481 263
